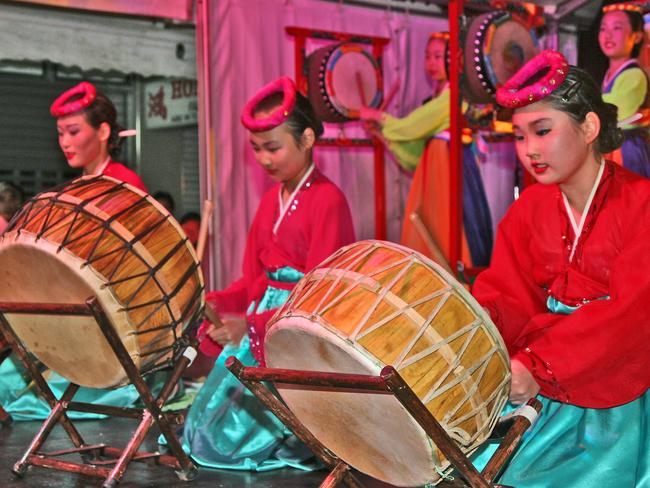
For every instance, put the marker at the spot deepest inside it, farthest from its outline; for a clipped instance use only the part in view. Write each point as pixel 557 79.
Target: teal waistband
pixel 275 297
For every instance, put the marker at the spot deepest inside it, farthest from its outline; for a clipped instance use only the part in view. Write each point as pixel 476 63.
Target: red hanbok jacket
pixel 122 173
pixel 598 356
pixel 318 223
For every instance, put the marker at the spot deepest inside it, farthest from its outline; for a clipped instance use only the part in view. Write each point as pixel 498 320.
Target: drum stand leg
pixel 58 406
pixel 153 406
pixel 389 382
pixel 92 455
pixel 252 379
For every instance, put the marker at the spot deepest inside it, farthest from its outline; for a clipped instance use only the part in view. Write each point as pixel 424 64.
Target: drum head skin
pixel 337 74
pixel 71 346
pixel 373 433
pixel 98 237
pixel 496 47
pixel 377 303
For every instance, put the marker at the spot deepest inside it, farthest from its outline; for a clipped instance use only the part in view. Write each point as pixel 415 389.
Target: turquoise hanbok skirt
pixel 575 447
pixel 18 394
pixel 227 426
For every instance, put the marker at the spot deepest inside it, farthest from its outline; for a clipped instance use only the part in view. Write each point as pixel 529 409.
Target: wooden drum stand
pixel 389 382
pixel 100 460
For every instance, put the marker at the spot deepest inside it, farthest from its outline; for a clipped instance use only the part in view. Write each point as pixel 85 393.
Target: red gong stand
pixel 376 45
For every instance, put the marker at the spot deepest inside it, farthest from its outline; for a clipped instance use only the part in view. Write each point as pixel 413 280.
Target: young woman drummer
pixel 88 133
pixel 569 270
pixel 299 222
pixel 419 141
pixel 621 37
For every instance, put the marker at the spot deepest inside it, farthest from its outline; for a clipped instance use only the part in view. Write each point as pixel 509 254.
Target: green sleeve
pixel 628 92
pixel 407 137
pixel 422 123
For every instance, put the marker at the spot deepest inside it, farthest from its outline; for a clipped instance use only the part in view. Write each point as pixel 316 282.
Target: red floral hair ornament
pixel 284 85
pixel 640 7
pixel 63 106
pixel 513 93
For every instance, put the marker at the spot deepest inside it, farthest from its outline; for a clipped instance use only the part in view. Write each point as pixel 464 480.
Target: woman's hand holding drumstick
pixel 374 118
pixel 231 330
pixel 523 384
pixel 228 329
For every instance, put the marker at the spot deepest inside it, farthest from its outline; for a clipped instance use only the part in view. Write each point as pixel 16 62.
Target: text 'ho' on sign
pixel 170 103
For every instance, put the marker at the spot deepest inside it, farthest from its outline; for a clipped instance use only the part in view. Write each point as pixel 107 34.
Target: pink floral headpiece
pixel 284 85
pixel 63 106
pixel 640 7
pixel 513 93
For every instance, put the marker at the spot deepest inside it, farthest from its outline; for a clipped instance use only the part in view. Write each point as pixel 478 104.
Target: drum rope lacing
pixel 32 212
pixel 356 279
pixel 349 278
pixel 453 360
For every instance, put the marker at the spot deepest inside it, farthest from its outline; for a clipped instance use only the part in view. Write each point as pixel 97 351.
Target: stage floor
pixel 15 438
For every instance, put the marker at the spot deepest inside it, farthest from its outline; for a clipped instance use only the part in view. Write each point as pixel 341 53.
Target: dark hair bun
pixel 100 111
pixel 304 116
pixel 611 136
pixel 578 95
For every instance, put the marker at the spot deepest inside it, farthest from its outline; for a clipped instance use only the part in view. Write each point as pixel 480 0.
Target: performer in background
pixel 89 134
pixel 419 142
pixel 299 222
pixel 11 199
pixel 569 270
pixel 89 138
pixel 625 84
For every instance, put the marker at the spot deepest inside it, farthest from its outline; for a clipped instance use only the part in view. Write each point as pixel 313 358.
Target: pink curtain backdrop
pixel 247 49
pixel 173 9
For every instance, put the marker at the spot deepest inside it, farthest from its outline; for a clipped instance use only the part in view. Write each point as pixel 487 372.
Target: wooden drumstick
pixel 362 94
pixel 629 120
pixel 434 249
pixel 208 311
pixel 391 94
pixel 203 229
pixel 212 316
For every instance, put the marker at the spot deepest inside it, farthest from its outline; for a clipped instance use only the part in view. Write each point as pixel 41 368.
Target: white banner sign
pixel 170 103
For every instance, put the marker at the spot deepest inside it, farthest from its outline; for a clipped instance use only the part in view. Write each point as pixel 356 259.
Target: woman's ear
pixel 591 127
pixel 638 37
pixel 104 131
pixel 308 138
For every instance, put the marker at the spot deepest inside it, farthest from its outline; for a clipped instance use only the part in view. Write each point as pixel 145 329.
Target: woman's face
pixel 81 143
pixel 549 144
pixel 279 154
pixel 434 60
pixel 616 37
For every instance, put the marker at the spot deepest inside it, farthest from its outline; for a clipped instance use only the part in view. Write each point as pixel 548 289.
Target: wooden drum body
pixel 99 237
pixel 376 303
